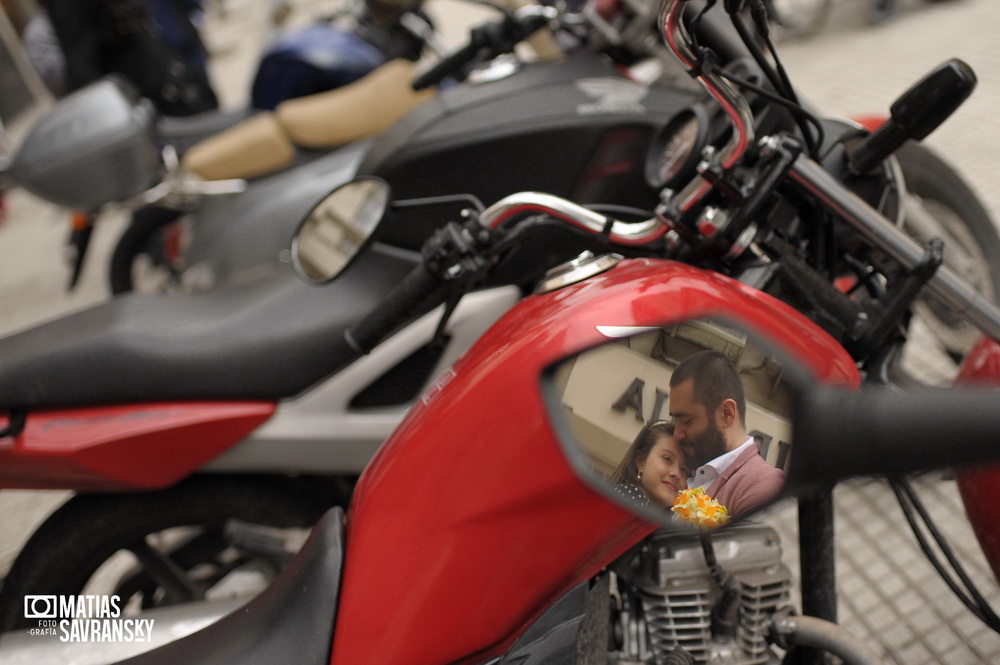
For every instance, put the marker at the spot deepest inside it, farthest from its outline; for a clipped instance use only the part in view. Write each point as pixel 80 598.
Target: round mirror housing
pixel 337 228
pixel 633 422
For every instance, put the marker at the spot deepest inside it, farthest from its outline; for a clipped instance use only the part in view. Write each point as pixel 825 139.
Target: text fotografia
pixel 89 618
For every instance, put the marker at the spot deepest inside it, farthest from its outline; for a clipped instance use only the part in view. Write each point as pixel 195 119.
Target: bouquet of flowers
pixel 701 510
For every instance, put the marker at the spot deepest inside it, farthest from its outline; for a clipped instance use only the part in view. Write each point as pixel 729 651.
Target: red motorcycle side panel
pixel 469 522
pixel 123 447
pixel 980 488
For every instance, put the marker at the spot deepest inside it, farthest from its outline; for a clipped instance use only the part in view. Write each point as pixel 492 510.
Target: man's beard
pixel 708 446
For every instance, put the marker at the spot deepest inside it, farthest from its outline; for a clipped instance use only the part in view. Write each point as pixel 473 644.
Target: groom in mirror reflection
pixel 709 409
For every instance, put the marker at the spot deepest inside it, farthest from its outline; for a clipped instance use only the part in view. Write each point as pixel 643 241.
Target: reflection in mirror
pixel 337 228
pixel 690 420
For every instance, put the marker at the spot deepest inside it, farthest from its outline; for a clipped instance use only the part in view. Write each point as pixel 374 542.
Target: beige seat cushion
pixel 361 109
pixel 250 149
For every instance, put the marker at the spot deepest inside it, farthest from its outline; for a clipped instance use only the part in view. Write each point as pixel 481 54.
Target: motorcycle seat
pixel 289 622
pixel 270 338
pixel 269 141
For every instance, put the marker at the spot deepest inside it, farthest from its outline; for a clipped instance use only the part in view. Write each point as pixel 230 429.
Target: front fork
pixel 817 562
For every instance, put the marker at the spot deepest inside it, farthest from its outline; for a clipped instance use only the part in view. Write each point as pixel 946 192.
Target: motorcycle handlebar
pixel 419 291
pixel 841 433
pixel 464 252
pixel 952 80
pixel 729 99
pixel 622 233
pixel 945 284
pixel 492 39
pixel 447 66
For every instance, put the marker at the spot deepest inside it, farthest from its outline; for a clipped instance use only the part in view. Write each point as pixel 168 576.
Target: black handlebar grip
pixel 918 111
pixel 839 433
pixel 418 292
pixel 451 64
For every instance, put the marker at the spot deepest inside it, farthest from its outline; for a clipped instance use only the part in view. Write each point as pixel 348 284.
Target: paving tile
pixel 943 639
pixel 897 635
pixel 911 654
pixel 923 619
pixel 962 655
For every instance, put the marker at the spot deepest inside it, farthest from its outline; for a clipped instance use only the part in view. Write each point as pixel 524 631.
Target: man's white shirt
pixel 706 474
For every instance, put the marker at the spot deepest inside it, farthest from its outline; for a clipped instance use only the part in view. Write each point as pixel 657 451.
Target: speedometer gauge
pixel 677 148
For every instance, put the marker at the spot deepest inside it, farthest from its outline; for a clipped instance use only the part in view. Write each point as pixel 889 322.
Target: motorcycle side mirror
pixel 338 228
pixel 628 417
pixel 632 423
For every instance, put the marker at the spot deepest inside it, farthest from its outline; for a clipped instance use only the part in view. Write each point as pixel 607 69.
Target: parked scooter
pixel 107 122
pixel 335 50
pixel 784 221
pixel 466 120
pixel 577 570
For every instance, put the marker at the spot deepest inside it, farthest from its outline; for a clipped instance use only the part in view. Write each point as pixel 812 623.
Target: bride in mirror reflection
pixel 653 470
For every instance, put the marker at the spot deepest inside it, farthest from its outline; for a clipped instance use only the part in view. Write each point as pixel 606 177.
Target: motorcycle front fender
pixel 291 621
pixel 980 487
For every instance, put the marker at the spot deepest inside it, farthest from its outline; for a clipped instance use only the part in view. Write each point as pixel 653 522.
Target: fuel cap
pixel 585 266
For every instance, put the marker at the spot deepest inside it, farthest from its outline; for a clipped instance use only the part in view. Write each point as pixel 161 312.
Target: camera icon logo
pixel 40 607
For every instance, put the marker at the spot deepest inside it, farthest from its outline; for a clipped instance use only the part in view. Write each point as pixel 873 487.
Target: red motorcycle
pixel 498 539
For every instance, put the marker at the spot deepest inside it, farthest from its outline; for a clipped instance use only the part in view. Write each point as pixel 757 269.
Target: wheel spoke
pixel 176 584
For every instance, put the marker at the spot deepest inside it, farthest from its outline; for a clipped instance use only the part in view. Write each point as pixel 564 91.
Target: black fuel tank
pixel 576 128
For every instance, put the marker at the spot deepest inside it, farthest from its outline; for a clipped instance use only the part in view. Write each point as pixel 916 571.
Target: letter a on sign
pixel 631 398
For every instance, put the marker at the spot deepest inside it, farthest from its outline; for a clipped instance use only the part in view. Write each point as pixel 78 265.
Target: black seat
pixel 289 622
pixel 267 339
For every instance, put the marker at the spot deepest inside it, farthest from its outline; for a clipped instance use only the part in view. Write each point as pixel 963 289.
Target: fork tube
pixel 818 578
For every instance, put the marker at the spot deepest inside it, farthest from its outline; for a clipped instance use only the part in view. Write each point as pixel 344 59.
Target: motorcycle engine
pixel 666 597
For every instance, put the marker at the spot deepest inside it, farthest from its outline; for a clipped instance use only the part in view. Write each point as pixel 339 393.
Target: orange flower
pixel 701 510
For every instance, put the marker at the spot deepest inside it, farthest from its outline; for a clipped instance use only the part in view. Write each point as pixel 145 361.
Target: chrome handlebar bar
pixel 622 233
pixel 946 285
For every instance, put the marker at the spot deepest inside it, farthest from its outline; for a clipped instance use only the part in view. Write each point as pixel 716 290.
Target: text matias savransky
pixel 90 618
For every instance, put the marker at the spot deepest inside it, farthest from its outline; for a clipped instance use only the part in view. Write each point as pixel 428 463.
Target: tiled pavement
pixel 889 594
